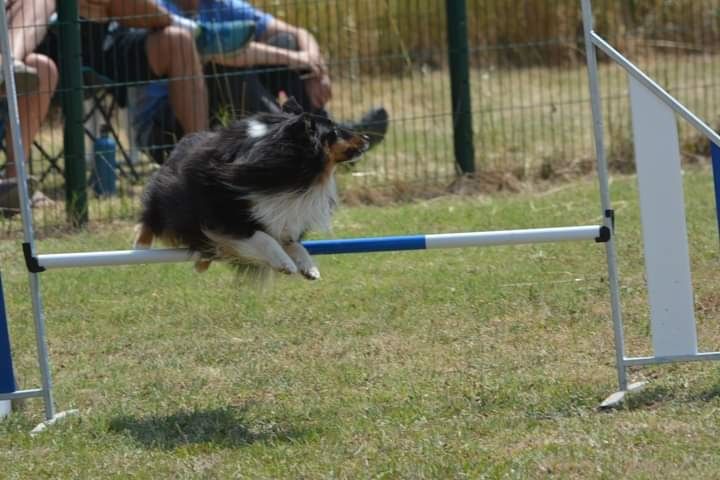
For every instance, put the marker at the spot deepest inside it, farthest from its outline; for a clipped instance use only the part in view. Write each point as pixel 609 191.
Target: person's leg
pixel 171 53
pixel 33 107
pixel 28 21
pixel 136 56
pixel 160 134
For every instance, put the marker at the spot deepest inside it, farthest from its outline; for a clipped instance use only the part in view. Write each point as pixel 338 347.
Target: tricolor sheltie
pixel 248 193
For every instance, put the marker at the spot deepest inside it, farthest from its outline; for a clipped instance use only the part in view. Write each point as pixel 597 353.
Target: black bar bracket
pixel 603 235
pixel 607 232
pixel 31 262
pixel 611 215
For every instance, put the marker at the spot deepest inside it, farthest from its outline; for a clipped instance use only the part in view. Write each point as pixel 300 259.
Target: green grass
pixel 444 364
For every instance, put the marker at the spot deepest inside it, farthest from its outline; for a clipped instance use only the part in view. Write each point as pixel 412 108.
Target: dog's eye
pixel 331 136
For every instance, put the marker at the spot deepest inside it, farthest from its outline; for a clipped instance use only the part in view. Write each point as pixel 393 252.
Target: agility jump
pixel 662 210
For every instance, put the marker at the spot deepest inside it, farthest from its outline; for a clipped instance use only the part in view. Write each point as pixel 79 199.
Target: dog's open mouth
pixel 353 155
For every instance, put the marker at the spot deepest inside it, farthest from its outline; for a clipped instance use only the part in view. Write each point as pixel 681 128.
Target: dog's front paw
pixel 287 268
pixel 311 273
pixel 303 260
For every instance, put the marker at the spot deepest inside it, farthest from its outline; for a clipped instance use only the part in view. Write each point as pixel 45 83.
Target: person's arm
pixel 260 54
pixel 318 85
pixel 187 5
pixel 306 41
pixel 139 14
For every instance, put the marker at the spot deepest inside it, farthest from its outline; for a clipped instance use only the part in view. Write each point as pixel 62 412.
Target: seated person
pixel 238 87
pixel 36 78
pixel 151 43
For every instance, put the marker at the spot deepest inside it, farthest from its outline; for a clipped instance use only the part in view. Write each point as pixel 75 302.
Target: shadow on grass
pixel 650 397
pixel 223 427
pixel 707 395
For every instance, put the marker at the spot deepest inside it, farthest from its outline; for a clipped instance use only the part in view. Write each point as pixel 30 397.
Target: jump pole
pixel 598 233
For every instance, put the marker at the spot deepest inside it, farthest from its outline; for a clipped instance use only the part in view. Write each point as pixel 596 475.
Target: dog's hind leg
pixel 259 248
pixel 303 260
pixel 201 266
pixel 143 237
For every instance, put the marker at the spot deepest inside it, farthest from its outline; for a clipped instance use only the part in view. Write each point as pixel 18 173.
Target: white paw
pixel 311 274
pixel 287 268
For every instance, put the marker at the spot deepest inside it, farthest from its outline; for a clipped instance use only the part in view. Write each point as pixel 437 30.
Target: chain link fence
pixel 126 81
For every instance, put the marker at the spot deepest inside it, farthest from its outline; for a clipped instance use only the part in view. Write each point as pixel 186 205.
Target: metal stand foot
pixel 617 398
pixel 47 423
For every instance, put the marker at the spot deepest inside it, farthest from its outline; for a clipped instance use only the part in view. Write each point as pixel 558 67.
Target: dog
pixel 248 193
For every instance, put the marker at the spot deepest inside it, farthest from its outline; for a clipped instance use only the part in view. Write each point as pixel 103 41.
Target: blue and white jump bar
pixel 598 233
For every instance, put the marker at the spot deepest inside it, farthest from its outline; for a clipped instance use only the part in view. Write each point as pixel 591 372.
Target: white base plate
pixel 47 423
pixel 5 408
pixel 617 398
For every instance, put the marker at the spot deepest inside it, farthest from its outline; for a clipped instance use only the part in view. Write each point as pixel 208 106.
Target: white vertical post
pixel 662 206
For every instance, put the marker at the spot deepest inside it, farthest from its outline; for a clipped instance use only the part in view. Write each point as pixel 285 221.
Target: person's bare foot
pixel 40 200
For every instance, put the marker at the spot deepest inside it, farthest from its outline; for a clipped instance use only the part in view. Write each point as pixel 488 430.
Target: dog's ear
pixel 302 126
pixel 292 106
pixel 310 125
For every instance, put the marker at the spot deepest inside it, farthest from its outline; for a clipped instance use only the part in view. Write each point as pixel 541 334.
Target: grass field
pixel 482 363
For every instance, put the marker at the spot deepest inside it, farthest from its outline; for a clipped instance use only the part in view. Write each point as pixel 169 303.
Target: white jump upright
pixel 662 208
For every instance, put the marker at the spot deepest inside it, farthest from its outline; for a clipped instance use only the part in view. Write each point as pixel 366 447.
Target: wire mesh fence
pixel 142 73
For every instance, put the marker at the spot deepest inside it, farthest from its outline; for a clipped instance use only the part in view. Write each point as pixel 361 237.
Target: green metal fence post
pixel 460 84
pixel 72 104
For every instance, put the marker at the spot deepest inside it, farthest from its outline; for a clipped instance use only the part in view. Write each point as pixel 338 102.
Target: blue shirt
pixel 228 10
pixel 155 96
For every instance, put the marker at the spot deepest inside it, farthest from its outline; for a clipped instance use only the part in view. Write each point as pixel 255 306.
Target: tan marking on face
pixel 341 150
pixel 357 142
pixel 336 152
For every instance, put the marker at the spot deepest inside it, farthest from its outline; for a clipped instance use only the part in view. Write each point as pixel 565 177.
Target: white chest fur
pixel 256 129
pixel 286 216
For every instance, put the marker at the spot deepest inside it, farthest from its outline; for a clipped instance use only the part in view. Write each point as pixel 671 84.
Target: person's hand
pixel 304 60
pixel 319 90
